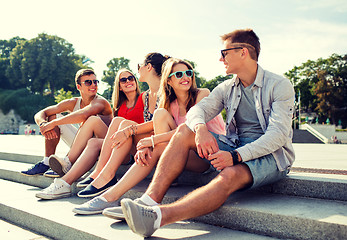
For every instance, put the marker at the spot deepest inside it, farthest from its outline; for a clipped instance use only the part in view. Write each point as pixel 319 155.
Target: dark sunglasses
pixel 179 74
pixel 224 50
pixel 124 79
pixel 89 82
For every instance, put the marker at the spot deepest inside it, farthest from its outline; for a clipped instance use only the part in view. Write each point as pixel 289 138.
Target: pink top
pixel 216 125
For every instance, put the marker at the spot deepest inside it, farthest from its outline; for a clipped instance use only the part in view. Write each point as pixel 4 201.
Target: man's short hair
pixel 247 38
pixel 81 73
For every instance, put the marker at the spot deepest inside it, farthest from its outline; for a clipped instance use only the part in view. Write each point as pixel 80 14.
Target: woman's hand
pixel 142 156
pixel 119 138
pixel 144 143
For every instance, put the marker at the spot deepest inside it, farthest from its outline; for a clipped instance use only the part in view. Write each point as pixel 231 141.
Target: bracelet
pixel 152 139
pixel 124 134
pixel 235 157
pixel 42 123
pixel 133 130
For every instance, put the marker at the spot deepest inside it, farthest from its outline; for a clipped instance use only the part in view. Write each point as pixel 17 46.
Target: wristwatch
pixel 235 157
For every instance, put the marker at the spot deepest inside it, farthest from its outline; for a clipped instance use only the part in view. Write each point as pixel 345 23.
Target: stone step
pixel 324 186
pixel 54 219
pixel 274 215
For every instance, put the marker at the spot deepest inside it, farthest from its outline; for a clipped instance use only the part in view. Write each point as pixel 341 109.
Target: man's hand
pixel 206 144
pixel 46 127
pixel 221 160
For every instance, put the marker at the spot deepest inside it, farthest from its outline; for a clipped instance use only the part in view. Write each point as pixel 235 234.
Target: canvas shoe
pixel 94 206
pixel 51 174
pixel 117 213
pixel 58 189
pixel 38 169
pixel 140 218
pixel 59 165
pixel 85 182
pixel 91 191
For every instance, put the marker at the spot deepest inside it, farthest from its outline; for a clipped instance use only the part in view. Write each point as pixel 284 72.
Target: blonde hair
pixel 118 97
pixel 167 93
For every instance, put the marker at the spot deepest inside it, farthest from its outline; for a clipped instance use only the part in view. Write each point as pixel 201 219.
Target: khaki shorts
pixel 68 132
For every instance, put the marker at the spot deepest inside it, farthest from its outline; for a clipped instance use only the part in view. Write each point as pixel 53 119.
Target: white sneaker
pixel 58 189
pixel 59 165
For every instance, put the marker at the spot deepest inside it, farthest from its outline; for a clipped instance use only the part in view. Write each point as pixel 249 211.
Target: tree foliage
pixel 45 62
pixel 25 103
pixel 211 84
pixel 62 95
pixel 6 47
pixel 114 65
pixel 323 87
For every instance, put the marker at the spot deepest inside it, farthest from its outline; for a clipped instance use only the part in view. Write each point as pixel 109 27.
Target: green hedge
pixel 24 103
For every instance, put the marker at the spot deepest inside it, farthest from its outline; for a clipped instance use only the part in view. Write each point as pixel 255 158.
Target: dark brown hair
pixel 245 38
pixel 83 72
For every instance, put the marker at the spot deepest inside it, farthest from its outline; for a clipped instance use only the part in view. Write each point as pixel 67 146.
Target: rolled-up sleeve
pixel 207 108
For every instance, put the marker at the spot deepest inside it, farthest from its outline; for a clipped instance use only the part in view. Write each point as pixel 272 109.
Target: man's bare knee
pixel 234 178
pixel 185 136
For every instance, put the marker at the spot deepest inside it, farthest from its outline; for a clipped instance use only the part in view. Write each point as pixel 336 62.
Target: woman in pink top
pixel 178 93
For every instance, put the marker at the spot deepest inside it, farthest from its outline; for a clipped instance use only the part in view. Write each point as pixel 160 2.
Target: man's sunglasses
pixel 224 50
pixel 179 74
pixel 124 79
pixel 89 82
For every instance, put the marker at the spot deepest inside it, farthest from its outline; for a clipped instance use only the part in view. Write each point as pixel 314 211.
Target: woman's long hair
pixel 118 97
pixel 167 93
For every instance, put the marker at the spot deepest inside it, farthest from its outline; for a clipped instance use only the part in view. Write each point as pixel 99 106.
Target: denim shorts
pixel 264 169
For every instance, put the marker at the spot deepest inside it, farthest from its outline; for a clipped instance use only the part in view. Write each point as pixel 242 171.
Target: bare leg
pixel 163 122
pixel 106 147
pixel 118 156
pixel 209 197
pixel 172 162
pixel 93 127
pixel 51 145
pixel 133 176
pixel 85 161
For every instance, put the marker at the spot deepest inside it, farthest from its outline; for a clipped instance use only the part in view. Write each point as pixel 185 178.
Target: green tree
pixel 6 47
pixel 211 84
pixel 45 62
pixel 323 86
pixel 62 95
pixel 198 79
pixel 114 65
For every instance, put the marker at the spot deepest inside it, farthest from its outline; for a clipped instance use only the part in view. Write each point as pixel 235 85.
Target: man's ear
pixel 78 86
pixel 244 52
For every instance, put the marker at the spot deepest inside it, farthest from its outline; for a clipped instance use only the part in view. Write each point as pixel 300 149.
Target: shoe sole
pixel 31 175
pixel 55 165
pixel 51 176
pixel 81 185
pixel 94 194
pixel 52 197
pixel 114 216
pixel 128 216
pixel 83 212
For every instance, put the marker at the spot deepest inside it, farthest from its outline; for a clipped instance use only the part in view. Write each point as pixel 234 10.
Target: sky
pixel 291 32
